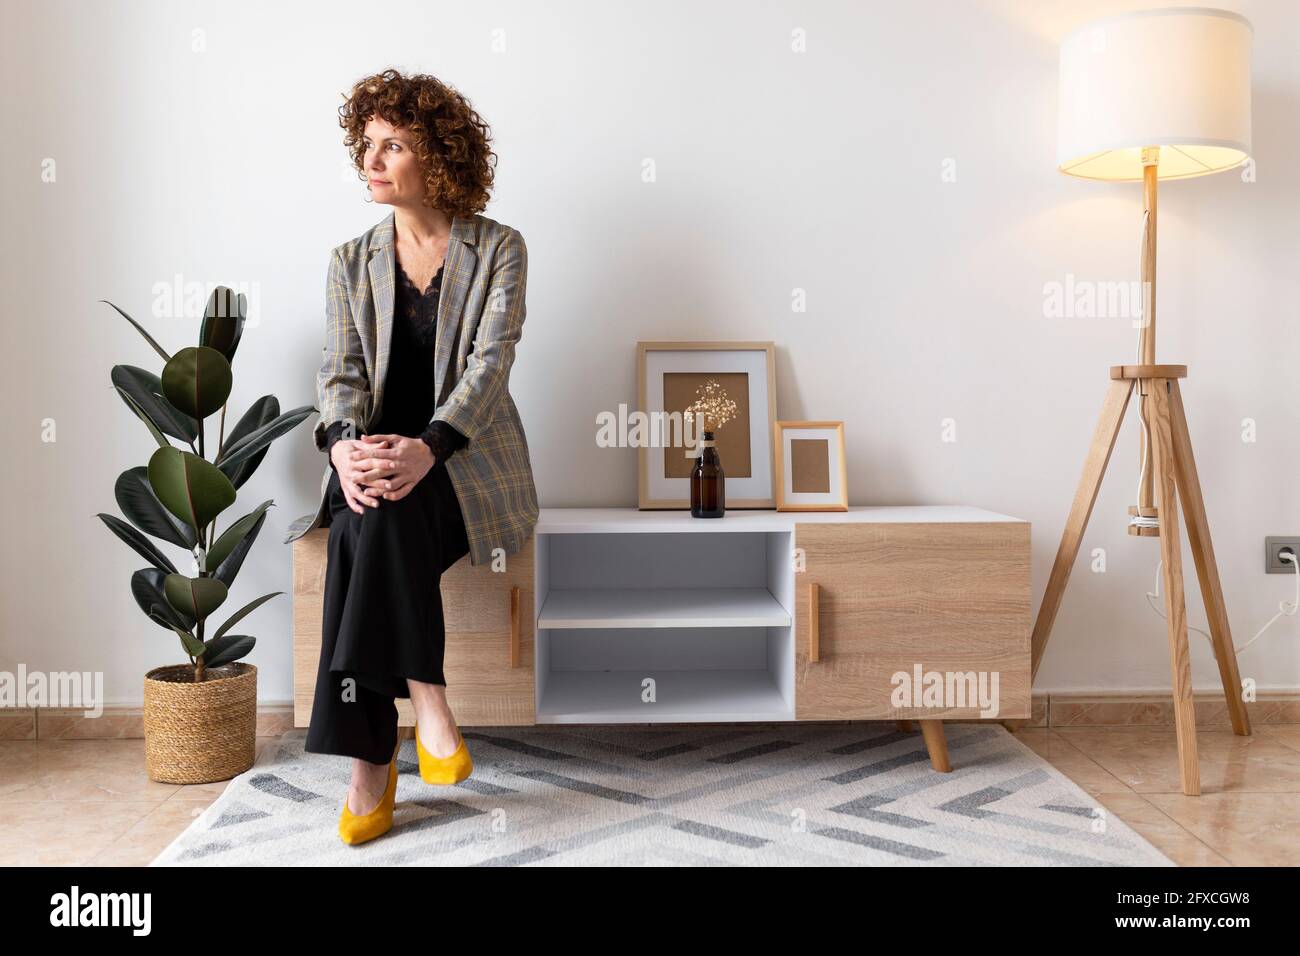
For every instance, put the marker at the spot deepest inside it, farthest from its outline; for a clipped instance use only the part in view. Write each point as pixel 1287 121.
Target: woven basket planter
pixel 199 733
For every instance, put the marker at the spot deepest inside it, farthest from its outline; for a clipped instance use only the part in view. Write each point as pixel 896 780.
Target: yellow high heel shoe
pixel 444 770
pixel 358 828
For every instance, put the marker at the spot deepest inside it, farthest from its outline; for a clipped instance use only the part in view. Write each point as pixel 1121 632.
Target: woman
pixel 423 314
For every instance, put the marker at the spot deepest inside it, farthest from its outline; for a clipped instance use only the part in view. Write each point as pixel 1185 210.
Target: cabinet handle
pixel 814 639
pixel 514 626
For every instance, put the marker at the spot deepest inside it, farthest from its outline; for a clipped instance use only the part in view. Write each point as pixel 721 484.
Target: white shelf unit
pixel 706 616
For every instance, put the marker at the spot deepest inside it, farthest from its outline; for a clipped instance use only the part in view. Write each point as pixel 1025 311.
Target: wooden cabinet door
pixel 489 650
pixel 490 638
pixel 309 559
pixel 946 598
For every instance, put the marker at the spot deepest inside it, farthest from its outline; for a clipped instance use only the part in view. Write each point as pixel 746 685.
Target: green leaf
pixel 227 570
pixel 259 439
pixel 243 612
pixel 195 597
pixel 139 328
pixel 159 616
pixel 228 648
pixel 223 321
pixel 263 411
pixel 146 389
pixel 135 496
pixel 193 646
pixel 238 537
pixel 142 545
pixel 197 381
pixel 154 430
pixel 147 589
pixel 190 487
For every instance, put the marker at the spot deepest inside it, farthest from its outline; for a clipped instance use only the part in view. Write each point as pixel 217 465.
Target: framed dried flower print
pixel 810 469
pixel 684 388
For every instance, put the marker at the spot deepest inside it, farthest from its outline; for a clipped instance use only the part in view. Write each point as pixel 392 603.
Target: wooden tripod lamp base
pixel 1175 482
pixel 1146 96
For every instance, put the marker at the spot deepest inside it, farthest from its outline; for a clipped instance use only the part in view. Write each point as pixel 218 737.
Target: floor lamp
pixel 1145 97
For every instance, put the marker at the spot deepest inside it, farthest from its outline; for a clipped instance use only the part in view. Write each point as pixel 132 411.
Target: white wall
pixel 776 170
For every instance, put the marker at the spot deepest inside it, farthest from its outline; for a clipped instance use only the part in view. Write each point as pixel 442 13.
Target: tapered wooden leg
pixel 932 731
pixel 1162 444
pixel 1103 442
pixel 1207 569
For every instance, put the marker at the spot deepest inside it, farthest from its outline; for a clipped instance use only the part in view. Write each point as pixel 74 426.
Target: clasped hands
pixel 378 468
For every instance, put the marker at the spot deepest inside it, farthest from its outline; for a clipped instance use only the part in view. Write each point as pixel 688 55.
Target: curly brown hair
pixel 449 138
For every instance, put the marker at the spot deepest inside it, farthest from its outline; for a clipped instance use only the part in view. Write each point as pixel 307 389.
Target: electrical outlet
pixel 1274 546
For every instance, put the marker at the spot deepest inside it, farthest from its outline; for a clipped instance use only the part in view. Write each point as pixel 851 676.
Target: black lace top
pixel 409 401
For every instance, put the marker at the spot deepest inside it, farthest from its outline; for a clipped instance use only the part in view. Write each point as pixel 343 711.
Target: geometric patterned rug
pixel 788 794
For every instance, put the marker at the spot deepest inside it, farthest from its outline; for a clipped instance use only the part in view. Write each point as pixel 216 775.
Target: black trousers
pixel 383 620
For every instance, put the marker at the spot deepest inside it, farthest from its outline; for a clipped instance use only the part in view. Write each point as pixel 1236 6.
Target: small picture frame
pixel 810 469
pixel 670 378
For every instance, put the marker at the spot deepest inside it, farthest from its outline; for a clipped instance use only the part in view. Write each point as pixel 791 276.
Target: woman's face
pixel 391 166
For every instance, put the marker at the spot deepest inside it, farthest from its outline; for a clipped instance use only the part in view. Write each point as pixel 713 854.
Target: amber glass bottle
pixel 708 497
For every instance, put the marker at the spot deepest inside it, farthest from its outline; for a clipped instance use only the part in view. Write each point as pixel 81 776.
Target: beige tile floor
pixel 89 802
pixel 1248 813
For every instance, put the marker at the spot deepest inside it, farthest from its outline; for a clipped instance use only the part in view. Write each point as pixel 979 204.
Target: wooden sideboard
pixel 615 615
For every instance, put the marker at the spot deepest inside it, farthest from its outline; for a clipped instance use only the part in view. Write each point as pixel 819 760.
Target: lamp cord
pixel 1141 521
pixel 1287 608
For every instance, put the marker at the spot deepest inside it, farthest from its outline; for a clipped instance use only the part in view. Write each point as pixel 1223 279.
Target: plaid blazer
pixel 480 320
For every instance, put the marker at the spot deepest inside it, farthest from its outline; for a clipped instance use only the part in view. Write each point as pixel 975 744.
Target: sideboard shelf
pixel 662 607
pixel 709 696
pixel 652 626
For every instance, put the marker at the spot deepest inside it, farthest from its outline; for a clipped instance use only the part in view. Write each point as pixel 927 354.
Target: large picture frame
pixel 668 374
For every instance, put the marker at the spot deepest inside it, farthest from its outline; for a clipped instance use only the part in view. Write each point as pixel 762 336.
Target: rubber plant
pixel 179 495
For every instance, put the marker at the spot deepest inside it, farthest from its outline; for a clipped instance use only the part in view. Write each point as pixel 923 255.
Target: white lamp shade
pixel 1178 79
